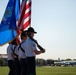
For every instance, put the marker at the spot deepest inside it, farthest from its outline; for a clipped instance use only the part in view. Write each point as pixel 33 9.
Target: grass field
pixel 47 70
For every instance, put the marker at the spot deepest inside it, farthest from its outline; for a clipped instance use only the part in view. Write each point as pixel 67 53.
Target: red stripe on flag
pixel 27 23
pixel 27 14
pixel 28 5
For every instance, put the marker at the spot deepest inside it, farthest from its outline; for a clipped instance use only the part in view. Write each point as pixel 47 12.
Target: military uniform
pixel 29 46
pixel 22 57
pixel 10 60
pixel 16 59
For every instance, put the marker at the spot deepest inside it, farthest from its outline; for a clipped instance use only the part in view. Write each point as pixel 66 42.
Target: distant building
pixel 65 63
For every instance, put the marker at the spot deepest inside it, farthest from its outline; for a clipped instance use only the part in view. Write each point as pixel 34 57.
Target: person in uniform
pixel 22 55
pixel 31 51
pixel 10 58
pixel 14 48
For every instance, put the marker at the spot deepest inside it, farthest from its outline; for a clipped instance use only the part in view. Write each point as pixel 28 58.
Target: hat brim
pixel 30 31
pixel 35 32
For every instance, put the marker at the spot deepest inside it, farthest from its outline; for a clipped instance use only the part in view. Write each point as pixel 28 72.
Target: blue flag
pixel 8 23
pixel 15 14
pixel 7 36
pixel 17 9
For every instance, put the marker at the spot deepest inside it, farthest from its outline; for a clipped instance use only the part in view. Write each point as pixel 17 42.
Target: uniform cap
pixel 30 29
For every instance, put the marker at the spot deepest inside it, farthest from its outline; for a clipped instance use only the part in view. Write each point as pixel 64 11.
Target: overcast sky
pixel 55 23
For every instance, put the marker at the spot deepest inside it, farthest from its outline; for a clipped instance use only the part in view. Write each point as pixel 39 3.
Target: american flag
pixel 25 17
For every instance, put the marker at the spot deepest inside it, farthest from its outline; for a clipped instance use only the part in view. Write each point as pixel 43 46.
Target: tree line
pixel 39 62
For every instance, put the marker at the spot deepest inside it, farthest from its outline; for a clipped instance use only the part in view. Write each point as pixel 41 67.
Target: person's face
pixel 32 34
pixel 24 38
